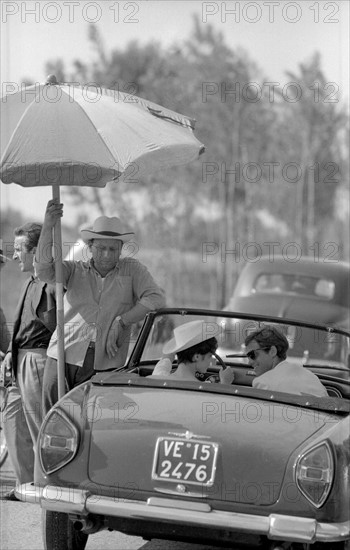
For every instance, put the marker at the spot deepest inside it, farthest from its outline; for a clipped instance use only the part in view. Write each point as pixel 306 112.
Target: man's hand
pixel 226 375
pixel 6 374
pixel 114 339
pixel 54 211
pixel 170 356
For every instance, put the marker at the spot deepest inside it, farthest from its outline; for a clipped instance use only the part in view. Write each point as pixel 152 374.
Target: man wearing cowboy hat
pixel 194 345
pixel 104 297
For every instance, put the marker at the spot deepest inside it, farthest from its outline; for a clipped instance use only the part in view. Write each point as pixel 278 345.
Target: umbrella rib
pixel 159 114
pixel 155 109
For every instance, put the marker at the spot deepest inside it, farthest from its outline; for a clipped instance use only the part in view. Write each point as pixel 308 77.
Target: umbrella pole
pixel 57 254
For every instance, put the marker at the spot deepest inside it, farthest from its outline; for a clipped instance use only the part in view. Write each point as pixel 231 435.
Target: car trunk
pixel 254 441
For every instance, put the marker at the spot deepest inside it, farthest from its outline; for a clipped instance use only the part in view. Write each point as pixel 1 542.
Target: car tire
pixel 59 533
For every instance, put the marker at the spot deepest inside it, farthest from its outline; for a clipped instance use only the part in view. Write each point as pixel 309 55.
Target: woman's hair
pixel 208 346
pixel 32 233
pixel 269 336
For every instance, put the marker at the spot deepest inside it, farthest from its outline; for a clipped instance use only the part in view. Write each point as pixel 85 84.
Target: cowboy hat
pixel 106 228
pixel 188 335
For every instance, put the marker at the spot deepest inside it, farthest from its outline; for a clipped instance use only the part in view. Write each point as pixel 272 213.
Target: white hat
pixel 188 335
pixel 106 228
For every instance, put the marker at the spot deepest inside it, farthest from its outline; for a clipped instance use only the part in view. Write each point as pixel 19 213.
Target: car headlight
pixel 58 441
pixel 314 473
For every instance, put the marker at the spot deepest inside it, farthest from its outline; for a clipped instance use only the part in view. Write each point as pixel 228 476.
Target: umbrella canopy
pixel 59 134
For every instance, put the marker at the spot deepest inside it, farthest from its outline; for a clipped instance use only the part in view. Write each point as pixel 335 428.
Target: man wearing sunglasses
pixel 266 350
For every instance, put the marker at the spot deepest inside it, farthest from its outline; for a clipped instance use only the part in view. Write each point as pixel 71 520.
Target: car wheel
pixel 59 533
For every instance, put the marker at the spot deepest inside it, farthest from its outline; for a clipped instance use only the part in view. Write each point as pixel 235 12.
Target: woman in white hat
pixel 194 347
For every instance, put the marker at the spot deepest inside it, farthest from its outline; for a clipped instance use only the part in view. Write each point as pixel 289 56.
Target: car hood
pixel 292 307
pixel 255 439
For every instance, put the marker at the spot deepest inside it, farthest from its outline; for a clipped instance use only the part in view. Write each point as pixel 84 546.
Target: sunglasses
pixel 252 354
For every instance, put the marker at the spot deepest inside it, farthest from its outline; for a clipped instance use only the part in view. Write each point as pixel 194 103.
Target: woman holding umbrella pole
pixel 104 297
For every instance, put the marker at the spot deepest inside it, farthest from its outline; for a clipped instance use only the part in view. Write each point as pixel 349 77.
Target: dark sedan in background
pixel 307 290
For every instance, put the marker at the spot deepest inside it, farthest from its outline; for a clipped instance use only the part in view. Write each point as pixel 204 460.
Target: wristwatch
pixel 121 322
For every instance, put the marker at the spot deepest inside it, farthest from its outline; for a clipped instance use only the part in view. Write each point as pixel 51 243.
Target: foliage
pixel 240 196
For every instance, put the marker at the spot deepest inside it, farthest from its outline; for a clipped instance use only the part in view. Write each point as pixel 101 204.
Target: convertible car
pixel 201 461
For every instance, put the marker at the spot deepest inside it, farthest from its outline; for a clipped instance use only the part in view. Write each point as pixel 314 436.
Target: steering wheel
pixel 210 377
pixel 220 360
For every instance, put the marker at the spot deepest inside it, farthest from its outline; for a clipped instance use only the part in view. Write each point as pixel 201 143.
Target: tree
pixel 318 123
pixel 240 192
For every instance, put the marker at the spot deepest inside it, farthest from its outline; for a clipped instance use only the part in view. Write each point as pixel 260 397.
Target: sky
pixel 277 35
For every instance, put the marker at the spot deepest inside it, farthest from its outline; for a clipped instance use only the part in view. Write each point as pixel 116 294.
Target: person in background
pixel 4 331
pixel 34 322
pixel 5 375
pixel 104 297
pixel 266 350
pixel 194 352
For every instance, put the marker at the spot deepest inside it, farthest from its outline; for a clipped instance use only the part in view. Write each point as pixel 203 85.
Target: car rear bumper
pixel 274 526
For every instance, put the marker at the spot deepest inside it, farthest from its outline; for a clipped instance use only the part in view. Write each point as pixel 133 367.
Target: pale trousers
pixel 30 373
pixel 18 438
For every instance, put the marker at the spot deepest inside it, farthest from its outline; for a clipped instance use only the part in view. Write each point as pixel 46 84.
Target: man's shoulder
pixel 77 264
pixel 280 370
pixel 287 365
pixel 77 267
pixel 296 371
pixel 130 264
pixel 129 260
pixel 266 376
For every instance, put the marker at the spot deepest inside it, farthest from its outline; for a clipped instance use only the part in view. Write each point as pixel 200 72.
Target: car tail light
pixel 58 441
pixel 314 474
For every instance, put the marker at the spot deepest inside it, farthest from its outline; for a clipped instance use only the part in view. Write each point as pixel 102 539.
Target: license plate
pixel 180 460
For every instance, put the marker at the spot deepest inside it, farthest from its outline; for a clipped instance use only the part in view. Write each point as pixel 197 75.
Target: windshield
pixel 310 346
pixel 305 285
